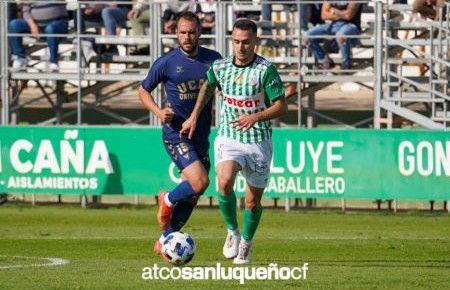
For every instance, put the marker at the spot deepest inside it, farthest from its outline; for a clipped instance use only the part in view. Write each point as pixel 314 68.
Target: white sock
pixel 234 232
pixel 249 242
pixel 167 201
pixel 162 239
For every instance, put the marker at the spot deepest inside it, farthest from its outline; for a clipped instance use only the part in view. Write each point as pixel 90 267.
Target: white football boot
pixel 245 252
pixel 231 246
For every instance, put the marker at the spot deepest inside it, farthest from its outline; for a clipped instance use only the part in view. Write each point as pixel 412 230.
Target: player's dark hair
pixel 245 24
pixel 189 16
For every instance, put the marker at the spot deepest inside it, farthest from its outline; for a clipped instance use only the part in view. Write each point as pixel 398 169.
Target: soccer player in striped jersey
pixel 182 71
pixel 251 95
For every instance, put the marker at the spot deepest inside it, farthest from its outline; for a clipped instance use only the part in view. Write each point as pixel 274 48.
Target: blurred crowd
pixel 339 18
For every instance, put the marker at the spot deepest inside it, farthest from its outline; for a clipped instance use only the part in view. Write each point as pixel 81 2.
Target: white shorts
pixel 254 158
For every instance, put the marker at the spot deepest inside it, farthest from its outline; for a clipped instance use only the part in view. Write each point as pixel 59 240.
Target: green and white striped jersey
pixel 245 90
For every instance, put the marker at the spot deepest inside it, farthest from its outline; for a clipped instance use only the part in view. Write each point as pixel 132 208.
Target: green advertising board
pixel 363 164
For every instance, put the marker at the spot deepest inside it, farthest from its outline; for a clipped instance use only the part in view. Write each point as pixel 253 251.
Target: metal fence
pixel 375 65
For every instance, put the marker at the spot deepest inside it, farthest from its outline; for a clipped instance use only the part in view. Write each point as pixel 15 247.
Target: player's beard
pixel 193 48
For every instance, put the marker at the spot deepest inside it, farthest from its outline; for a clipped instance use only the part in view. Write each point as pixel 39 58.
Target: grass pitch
pixel 108 248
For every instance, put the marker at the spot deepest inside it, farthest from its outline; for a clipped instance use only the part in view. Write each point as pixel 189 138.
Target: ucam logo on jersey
pixel 67 163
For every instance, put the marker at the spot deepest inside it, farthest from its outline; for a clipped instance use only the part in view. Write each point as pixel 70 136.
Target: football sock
pixel 180 214
pixel 182 192
pixel 251 221
pixel 227 205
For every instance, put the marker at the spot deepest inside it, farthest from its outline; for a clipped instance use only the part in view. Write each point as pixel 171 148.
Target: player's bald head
pixel 189 16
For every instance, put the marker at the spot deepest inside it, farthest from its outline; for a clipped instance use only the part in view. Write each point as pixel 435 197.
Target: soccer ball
pixel 178 248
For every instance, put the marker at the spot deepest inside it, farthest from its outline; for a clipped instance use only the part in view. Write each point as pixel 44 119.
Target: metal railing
pixel 295 63
pixel 431 89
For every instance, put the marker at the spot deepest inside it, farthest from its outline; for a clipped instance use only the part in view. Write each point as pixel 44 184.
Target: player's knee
pixel 200 184
pixel 225 185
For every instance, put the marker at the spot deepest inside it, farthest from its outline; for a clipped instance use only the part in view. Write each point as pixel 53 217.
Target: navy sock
pixel 180 214
pixel 182 192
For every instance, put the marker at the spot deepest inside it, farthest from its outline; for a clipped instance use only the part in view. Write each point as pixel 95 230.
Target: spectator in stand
pixel 309 13
pixel 45 18
pixel 428 8
pixel 174 9
pixel 139 17
pixel 206 12
pixel 13 11
pixel 110 14
pixel 342 20
pixel 114 15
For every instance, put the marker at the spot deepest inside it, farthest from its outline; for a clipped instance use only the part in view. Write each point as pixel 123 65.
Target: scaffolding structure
pixel 378 65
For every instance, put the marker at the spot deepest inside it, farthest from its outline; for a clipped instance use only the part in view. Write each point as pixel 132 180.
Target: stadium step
pixel 442 116
pixel 411 115
pixel 414 97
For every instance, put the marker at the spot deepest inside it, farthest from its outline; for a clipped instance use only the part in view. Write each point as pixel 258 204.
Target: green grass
pixel 108 248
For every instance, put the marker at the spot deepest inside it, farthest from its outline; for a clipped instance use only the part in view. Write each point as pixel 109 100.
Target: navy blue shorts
pixel 184 151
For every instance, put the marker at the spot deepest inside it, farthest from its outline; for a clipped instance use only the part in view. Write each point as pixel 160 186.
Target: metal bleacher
pixel 381 65
pixel 422 99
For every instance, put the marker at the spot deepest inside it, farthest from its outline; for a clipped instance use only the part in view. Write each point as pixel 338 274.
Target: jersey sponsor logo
pixel 180 69
pixel 192 85
pixel 249 103
pixel 190 96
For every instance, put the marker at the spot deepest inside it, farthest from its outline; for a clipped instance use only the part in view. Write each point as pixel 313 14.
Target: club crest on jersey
pixel 238 79
pixel 180 69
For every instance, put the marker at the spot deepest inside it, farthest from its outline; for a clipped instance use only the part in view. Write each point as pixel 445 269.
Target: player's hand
pixel 189 127
pixel 134 13
pixel 244 122
pixel 166 115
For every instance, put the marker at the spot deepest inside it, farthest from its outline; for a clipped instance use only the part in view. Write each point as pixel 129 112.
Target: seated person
pixel 139 17
pixel 38 18
pixel 341 20
pixel 428 8
pixel 110 14
pixel 309 13
pixel 206 11
pixel 174 9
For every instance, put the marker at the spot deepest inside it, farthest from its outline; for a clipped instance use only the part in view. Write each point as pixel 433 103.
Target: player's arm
pixel 277 109
pixel 165 115
pixel 204 96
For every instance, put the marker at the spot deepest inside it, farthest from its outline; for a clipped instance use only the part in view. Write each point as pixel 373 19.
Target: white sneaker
pixel 19 63
pixel 53 67
pixel 88 50
pixel 245 252
pixel 231 246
